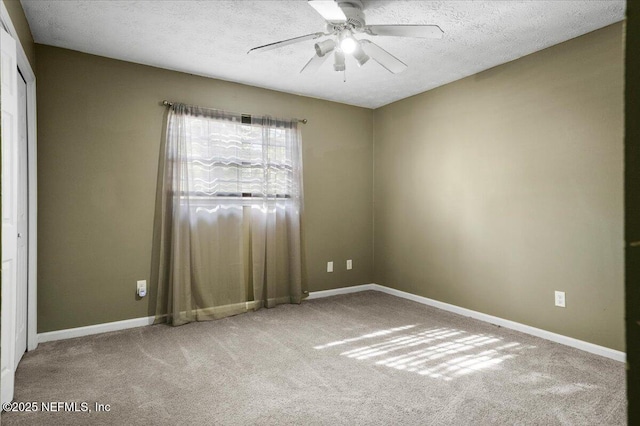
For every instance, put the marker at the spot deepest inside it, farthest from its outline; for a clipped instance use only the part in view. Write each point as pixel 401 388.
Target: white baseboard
pixel 88 330
pixel 341 290
pixel 70 333
pixel 554 337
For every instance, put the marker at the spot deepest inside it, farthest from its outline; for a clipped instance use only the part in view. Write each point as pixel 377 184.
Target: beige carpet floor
pixel 365 358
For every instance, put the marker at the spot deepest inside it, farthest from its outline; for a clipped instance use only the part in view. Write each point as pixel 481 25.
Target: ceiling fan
pixel 345 20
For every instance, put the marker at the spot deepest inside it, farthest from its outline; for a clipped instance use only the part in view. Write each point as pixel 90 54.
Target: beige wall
pixel 99 130
pixel 494 191
pixel 19 21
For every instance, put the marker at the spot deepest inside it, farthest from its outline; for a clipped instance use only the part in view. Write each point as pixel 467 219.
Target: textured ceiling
pixel 211 38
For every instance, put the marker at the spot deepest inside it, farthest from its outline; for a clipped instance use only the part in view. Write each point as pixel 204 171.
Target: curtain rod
pixel 300 120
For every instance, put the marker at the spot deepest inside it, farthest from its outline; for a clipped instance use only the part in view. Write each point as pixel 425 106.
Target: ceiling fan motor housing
pixel 354 13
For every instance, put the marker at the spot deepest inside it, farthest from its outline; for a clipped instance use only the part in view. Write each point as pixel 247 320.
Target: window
pixel 235 157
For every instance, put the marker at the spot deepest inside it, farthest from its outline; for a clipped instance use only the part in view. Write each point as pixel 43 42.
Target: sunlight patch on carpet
pixel 437 352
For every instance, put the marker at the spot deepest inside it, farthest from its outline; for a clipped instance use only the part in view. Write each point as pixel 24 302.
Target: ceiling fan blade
pixel 329 10
pixel 418 31
pixel 285 42
pixel 384 58
pixel 314 63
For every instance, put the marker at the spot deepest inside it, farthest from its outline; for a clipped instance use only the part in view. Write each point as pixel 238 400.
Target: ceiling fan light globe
pixel 338 64
pixel 348 45
pixel 324 47
pixel 360 56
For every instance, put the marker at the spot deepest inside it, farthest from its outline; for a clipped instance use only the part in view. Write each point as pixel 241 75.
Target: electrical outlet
pixel 349 264
pixel 329 266
pixel 141 288
pixel 560 300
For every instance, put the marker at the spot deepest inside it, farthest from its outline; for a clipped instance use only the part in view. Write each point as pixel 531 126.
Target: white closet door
pixel 22 260
pixel 9 106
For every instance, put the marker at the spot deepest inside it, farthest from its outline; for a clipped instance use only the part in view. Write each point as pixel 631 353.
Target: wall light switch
pixel 141 288
pixel 329 266
pixel 560 300
pixel 349 264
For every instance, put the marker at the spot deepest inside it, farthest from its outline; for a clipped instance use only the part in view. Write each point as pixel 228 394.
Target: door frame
pixel 32 282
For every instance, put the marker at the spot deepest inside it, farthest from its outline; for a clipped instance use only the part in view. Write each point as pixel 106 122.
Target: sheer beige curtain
pixel 231 200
